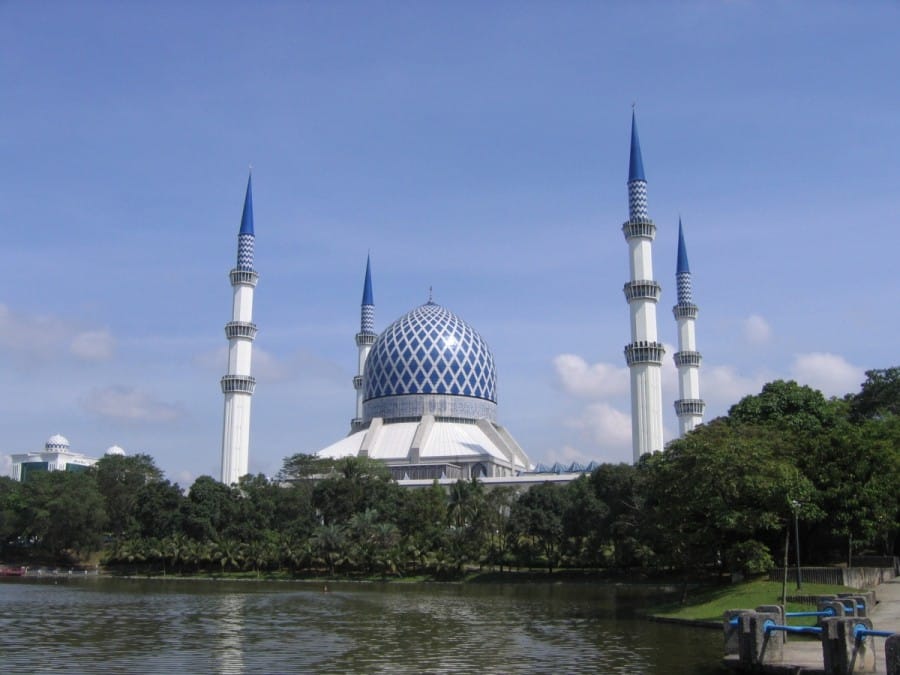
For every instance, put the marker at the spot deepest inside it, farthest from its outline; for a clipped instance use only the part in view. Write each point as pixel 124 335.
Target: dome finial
pixel 430 295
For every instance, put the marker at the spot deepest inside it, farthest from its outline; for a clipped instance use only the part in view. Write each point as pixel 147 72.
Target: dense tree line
pixel 720 499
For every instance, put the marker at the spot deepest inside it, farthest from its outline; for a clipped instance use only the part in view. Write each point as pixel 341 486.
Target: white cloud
pixel 268 367
pixel 723 386
pixel 599 380
pixel 829 373
pixel 43 338
pixel 757 330
pixel 605 425
pixel 130 404
pixel 96 345
pixel 31 335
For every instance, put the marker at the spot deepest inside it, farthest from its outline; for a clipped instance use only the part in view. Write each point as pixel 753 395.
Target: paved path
pixel 886 615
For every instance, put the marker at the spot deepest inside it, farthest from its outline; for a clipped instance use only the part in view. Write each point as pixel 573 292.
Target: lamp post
pixel 795 507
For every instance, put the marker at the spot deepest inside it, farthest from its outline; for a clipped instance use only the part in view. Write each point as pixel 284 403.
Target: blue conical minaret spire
pixel 636 162
pixel 689 407
pixel 637 181
pixel 246 236
pixel 367 320
pixel 365 338
pixel 683 270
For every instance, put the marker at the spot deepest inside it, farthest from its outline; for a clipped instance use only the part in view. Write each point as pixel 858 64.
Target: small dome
pixel 57 442
pixel 115 450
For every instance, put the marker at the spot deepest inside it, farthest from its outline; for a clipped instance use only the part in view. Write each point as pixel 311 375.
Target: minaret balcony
pixel 240 384
pixel 357 382
pixel 685 310
pixel 365 339
pixel 643 289
pixel 690 406
pixel 240 329
pixel 644 351
pixel 639 227
pixel 244 277
pixel 687 359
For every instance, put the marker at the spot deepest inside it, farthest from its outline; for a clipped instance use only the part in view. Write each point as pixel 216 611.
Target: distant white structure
pixel 645 353
pixel 238 384
pixel 689 407
pixel 56 456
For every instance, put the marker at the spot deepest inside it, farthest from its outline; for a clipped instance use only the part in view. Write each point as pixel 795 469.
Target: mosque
pixel 426 386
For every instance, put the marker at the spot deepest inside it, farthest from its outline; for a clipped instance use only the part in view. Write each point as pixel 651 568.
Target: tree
pixel 538 516
pixel 788 406
pixel 879 395
pixel 158 509
pixel 63 513
pixel 621 532
pixel 210 508
pixel 118 479
pixel 582 520
pixel 10 508
pixel 717 488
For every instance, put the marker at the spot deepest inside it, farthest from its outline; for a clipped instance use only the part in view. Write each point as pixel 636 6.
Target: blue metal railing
pixel 860 632
pixel 770 626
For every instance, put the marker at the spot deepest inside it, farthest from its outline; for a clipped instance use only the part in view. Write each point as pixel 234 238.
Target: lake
pixel 103 625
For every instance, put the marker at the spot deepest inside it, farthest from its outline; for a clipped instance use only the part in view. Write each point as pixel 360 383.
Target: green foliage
pixel 119 478
pixel 722 498
pixel 879 396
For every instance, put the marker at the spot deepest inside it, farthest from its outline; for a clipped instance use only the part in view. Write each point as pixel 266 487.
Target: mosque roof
pixel 435 440
pixel 430 350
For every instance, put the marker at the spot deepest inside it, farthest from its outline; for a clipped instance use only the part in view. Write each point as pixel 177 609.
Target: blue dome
pixel 429 352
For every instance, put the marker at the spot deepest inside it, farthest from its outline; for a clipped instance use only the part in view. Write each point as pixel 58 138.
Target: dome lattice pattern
pixel 430 350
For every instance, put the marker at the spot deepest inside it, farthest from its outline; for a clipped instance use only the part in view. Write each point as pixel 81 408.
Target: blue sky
pixel 477 148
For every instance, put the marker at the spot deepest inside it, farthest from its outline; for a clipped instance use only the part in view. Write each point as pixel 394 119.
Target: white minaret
pixel 689 406
pixel 365 338
pixel 644 355
pixel 238 384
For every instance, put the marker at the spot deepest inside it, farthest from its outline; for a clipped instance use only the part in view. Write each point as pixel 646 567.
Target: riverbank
pixel 705 606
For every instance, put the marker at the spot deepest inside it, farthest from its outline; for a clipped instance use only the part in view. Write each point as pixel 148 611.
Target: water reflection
pixel 229 641
pixel 127 626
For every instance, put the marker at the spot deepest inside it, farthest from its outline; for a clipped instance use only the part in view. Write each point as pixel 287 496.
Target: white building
pixel 56 456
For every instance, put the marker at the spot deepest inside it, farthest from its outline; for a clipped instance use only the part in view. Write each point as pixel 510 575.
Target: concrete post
pixel 857 599
pixel 778 611
pixel 763 647
pixel 841 653
pixel 836 606
pixel 892 655
pixel 732 631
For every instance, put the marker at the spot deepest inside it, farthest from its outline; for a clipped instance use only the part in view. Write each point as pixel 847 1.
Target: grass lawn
pixel 708 604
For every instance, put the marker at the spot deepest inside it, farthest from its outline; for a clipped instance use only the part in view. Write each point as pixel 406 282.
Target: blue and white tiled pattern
pixel 637 199
pixel 430 351
pixel 245 252
pixel 367 320
pixel 685 291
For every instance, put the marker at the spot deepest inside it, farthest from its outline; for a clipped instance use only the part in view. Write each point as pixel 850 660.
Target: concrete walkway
pixel 886 615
